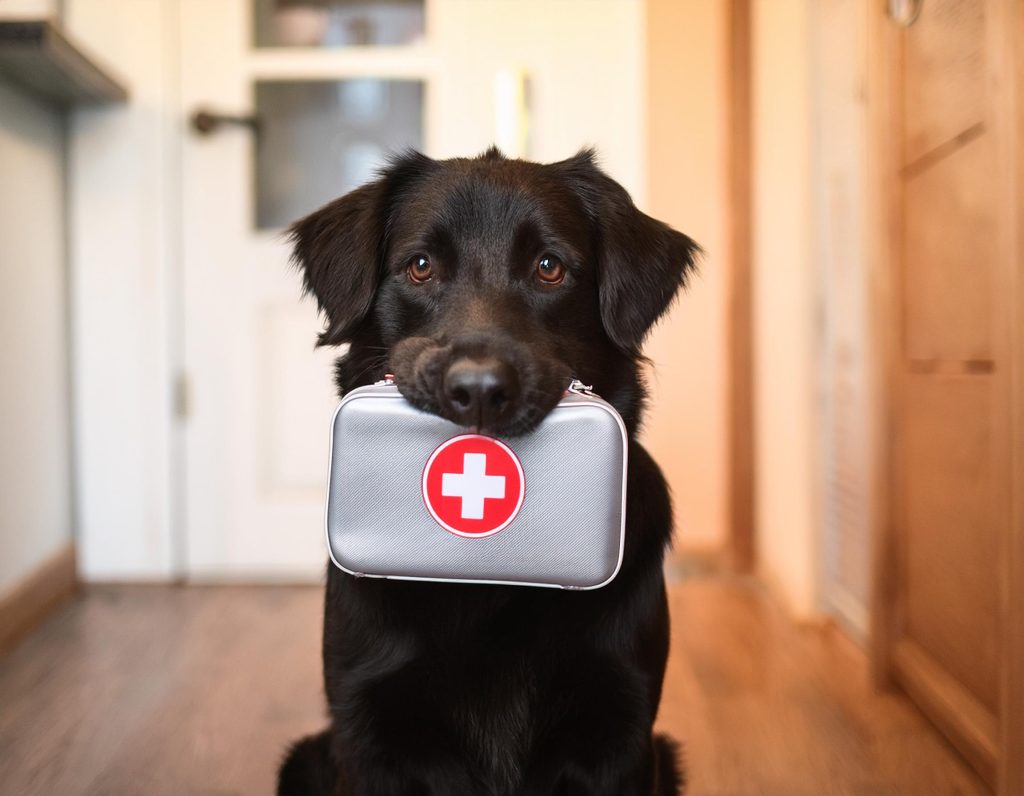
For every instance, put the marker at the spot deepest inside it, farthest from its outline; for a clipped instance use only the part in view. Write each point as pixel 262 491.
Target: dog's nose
pixel 480 391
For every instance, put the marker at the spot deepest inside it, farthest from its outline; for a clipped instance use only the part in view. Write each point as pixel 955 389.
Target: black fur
pixel 450 689
pixel 307 769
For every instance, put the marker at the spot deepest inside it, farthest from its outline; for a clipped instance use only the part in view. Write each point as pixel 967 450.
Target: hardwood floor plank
pixel 768 708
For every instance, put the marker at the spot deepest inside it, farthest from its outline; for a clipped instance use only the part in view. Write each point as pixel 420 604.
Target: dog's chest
pixel 483 661
pixel 496 719
pixel 492 664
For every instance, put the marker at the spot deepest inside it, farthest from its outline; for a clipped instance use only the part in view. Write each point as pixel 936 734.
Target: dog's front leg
pixel 626 773
pixel 403 780
pixel 396 744
pixel 599 741
pixel 331 764
pixel 411 771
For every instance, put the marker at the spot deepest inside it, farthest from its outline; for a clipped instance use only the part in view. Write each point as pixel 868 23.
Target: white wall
pixel 123 215
pixel 685 159
pixel 784 301
pixel 30 9
pixel 555 42
pixel 35 507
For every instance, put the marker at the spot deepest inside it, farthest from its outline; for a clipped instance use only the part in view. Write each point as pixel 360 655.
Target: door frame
pixel 1011 772
pixel 740 429
pixel 883 135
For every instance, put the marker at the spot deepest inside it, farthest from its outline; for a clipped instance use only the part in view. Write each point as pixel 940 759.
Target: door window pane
pixel 337 23
pixel 320 139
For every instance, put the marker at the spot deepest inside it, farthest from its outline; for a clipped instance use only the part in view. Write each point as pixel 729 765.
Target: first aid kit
pixel 412 496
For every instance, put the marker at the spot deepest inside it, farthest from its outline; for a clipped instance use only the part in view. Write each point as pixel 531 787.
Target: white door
pixel 259 397
pixel 332 89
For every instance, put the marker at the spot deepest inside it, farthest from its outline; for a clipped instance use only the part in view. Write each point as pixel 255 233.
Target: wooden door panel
pixel 947 236
pixel 943 77
pixel 948 256
pixel 951 531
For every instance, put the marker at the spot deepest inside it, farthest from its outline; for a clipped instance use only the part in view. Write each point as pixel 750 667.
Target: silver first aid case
pixel 413 496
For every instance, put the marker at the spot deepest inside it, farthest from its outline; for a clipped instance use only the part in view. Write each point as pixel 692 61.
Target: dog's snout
pixel 479 392
pixel 496 384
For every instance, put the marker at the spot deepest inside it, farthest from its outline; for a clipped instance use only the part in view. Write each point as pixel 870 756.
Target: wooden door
pixel 947 617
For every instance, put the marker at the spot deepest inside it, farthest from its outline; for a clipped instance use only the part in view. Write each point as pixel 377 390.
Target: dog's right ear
pixel 338 250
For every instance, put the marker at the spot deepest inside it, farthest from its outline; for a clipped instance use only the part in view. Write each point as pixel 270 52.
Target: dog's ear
pixel 642 262
pixel 337 249
pixel 340 248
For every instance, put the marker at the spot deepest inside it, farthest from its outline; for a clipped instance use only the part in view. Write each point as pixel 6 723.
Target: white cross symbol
pixel 473 485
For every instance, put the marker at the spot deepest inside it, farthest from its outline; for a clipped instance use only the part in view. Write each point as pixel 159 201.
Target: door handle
pixel 905 12
pixel 206 122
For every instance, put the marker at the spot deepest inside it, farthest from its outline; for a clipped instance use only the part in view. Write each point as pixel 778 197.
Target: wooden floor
pixel 164 690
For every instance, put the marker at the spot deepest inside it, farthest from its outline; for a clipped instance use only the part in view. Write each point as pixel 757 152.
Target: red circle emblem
pixel 473 485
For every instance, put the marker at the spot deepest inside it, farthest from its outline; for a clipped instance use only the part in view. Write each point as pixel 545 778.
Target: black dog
pixel 484 284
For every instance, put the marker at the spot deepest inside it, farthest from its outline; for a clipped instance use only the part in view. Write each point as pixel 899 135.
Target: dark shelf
pixel 41 59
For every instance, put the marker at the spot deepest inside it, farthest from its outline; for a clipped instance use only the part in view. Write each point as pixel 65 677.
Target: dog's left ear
pixel 642 262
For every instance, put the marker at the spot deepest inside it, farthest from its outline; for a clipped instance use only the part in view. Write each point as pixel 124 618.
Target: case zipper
pixel 579 388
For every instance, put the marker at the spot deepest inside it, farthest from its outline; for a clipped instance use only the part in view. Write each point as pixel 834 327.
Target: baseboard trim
pixel 970 726
pixel 35 597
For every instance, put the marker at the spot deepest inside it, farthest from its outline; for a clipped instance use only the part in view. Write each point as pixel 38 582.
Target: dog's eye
pixel 550 270
pixel 419 270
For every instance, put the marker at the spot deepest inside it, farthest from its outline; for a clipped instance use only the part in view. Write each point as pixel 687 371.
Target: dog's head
pixel 484 284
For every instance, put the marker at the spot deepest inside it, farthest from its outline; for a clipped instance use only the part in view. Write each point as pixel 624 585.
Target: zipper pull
pixel 578 387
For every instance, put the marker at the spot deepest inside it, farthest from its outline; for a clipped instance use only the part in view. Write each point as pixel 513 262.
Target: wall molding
pixel 33 598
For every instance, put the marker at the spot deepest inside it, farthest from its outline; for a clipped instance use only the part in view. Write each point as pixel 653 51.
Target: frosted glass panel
pixel 319 139
pixel 338 23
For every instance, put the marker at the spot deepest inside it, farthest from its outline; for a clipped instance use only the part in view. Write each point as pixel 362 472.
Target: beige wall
pixel 35 507
pixel 686 136
pixel 784 295
pixel 686 90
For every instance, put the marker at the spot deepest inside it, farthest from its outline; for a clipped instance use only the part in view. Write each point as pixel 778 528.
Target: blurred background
pixel 837 401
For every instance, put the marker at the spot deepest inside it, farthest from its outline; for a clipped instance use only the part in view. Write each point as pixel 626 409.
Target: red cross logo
pixel 473 485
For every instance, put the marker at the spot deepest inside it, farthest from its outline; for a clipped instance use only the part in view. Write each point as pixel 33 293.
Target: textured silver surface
pixel 568 532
